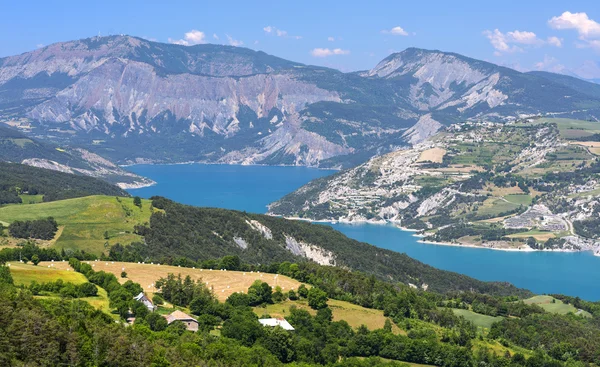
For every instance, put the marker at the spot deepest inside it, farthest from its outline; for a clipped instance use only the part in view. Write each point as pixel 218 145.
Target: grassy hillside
pixel 85 221
pixel 479 320
pixel 51 185
pixel 24 274
pixel 553 305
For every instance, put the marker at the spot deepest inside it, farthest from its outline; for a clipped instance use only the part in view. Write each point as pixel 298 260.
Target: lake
pixel 251 188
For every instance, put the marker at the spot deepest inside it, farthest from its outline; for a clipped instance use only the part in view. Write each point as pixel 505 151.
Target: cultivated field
pixel 495 207
pixel 592 146
pixel 571 129
pixel 435 155
pixel 537 234
pixel 354 315
pixel 84 221
pixel 223 283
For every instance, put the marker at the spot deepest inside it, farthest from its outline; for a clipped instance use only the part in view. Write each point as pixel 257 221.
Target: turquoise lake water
pixel 251 188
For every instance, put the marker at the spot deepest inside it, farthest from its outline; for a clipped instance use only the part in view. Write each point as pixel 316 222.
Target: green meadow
pixel 91 223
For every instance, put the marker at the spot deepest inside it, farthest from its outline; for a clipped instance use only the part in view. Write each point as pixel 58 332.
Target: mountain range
pixel 132 100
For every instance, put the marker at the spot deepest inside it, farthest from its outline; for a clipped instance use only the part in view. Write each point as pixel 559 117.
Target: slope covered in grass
pixel 87 221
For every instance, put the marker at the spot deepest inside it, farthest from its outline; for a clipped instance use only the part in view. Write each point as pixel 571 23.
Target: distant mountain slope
pixel 452 84
pixel 19 148
pixel 52 185
pixel 530 184
pixel 134 100
pixel 579 85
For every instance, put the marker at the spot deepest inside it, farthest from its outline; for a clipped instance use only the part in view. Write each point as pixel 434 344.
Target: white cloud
pixel 215 36
pixel 193 37
pixel 234 42
pixel 499 41
pixel 550 64
pixel 279 32
pixel 585 27
pixel 507 42
pixel 554 41
pixel 330 39
pixel 396 31
pixel 524 37
pixel 325 52
pixel 39 45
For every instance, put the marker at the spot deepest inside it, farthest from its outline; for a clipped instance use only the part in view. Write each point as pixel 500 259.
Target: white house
pixel 146 301
pixel 276 322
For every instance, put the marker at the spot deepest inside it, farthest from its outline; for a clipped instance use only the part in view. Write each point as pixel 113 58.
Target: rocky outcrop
pixel 309 251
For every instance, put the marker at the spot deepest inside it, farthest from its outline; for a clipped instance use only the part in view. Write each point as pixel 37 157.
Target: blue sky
pixel 561 36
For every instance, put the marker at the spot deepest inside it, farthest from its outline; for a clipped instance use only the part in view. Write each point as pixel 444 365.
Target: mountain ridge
pixel 134 100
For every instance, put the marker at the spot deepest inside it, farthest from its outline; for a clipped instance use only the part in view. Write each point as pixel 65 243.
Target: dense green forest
pixel 16 179
pixel 198 234
pixel 43 229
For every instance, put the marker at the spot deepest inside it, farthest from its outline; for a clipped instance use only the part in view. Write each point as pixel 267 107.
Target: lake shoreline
pixel 224 164
pixel 523 249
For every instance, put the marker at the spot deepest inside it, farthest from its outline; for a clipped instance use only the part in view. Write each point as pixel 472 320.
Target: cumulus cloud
pixel 524 37
pixel 499 41
pixel 234 42
pixel 585 27
pixel 325 52
pixel 279 32
pixel 193 37
pixel 396 31
pixel 550 64
pixel 330 39
pixel 515 41
pixel 554 41
pixel 215 36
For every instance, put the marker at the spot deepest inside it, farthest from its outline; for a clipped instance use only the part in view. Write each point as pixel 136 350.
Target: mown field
pixel 24 274
pixel 479 320
pixel 353 314
pixel 86 220
pixel 553 305
pixel 223 283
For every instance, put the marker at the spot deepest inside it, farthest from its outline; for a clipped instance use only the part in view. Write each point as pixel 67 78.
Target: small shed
pixel 190 323
pixel 277 322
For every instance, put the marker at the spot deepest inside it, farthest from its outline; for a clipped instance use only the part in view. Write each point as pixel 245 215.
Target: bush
pixel 317 299
pixel 158 300
pixel 88 290
pixel 123 274
pixel 303 291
